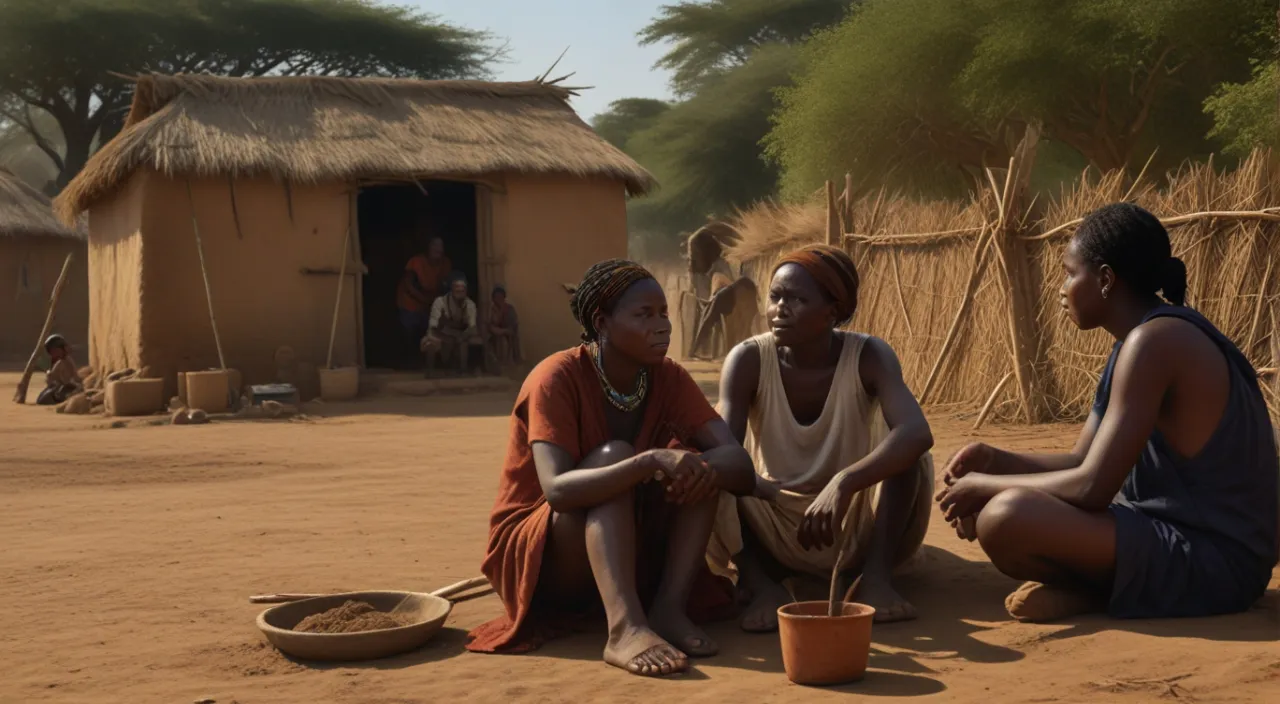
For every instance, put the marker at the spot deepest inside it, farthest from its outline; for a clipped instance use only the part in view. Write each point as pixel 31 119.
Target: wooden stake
pixel 1257 309
pixel 991 401
pixel 833 216
pixel 337 304
pixel 848 202
pixel 897 280
pixel 21 395
pixel 204 273
pixel 235 209
pixel 975 277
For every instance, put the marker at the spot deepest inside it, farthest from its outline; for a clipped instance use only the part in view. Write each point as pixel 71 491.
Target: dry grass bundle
pixel 24 211
pixel 929 267
pixel 314 129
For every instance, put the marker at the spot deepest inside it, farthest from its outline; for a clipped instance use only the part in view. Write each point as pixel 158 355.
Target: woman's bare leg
pixel 1067 555
pixel 686 554
pixel 894 508
pixel 599 544
pixel 754 575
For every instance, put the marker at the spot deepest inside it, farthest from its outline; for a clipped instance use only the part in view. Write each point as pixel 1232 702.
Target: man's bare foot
pixel 877 592
pixel 640 651
pixel 674 625
pixel 1034 602
pixel 762 614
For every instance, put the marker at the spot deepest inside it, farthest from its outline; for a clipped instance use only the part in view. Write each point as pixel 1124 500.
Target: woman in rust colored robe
pixel 607 496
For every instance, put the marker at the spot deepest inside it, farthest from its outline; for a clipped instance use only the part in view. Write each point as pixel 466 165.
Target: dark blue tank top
pixel 1230 491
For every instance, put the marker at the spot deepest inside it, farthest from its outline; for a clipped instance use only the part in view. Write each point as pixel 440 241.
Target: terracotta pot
pixel 823 650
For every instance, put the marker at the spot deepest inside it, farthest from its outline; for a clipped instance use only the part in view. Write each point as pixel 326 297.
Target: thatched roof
pixel 24 211
pixel 316 129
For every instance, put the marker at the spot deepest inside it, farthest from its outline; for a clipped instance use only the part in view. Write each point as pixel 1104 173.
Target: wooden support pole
pixel 833 217
pixel 976 270
pixel 848 202
pixel 337 304
pixel 902 301
pixel 991 401
pixel 21 395
pixel 1251 340
pixel 204 273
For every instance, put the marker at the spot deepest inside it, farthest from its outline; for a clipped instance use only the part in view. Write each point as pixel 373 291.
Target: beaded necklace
pixel 623 402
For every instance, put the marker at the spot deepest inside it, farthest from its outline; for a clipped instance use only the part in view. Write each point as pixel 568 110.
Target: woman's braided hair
pixel 1135 244
pixel 601 287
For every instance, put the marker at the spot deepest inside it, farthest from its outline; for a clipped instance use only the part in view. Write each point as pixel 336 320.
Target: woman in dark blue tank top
pixel 1167 506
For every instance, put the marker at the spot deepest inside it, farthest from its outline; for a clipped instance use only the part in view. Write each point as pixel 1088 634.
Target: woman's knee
pixel 609 453
pixel 1002 523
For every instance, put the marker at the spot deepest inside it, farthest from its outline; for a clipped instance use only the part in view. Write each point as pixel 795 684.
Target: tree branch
pixel 28 125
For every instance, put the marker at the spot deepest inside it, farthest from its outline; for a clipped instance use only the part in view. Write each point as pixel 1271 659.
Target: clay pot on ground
pixel 818 649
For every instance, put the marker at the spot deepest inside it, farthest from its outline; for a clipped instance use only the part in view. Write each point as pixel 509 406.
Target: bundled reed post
pixel 833 217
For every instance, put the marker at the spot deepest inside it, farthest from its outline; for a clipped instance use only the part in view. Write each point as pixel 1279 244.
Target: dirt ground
pixel 130 553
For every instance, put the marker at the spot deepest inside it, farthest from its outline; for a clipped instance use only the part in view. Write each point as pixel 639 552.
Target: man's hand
pixel 965 496
pixel 974 458
pixel 820 526
pixel 687 477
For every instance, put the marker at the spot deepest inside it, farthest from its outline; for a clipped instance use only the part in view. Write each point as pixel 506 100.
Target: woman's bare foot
pixel 673 624
pixel 640 651
pixel 1034 602
pixel 762 614
pixel 877 592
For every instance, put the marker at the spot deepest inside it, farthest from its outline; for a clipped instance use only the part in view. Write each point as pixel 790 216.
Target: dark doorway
pixel 396 223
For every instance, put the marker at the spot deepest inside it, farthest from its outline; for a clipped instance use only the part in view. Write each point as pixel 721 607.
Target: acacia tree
pixel 923 89
pixel 626 117
pixel 714 36
pixel 69 58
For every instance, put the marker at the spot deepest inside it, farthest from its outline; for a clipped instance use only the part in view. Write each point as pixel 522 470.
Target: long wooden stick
pixel 1257 309
pixel 991 401
pixel 21 395
pixel 204 273
pixel 975 276
pixel 902 301
pixel 833 216
pixel 337 304
pixel 1266 214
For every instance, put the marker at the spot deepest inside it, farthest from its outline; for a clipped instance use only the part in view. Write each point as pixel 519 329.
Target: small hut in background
pixel 274 173
pixel 33 247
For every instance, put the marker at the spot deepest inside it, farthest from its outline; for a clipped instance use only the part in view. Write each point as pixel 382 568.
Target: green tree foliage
pixel 58 56
pixel 626 117
pixel 921 92
pixel 714 36
pixel 705 151
pixel 1247 115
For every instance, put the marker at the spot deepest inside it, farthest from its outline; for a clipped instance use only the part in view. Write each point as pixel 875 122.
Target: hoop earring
pixel 1104 292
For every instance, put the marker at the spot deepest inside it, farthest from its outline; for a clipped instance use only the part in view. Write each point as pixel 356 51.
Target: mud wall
pixel 548 230
pixel 29 268
pixel 115 277
pixel 261 298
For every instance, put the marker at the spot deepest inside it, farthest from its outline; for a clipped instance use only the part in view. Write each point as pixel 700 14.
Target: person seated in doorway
pixel 840 445
pixel 62 381
pixel 502 332
pixel 452 328
pixel 609 489
pixel 425 278
pixel 1167 505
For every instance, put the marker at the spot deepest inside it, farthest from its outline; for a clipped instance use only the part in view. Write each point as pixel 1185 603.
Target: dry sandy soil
pixel 129 554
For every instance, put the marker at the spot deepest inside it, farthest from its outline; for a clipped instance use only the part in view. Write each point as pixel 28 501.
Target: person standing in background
pixel 424 280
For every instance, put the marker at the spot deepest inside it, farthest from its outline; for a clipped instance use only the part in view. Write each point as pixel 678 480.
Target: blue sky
pixel 600 35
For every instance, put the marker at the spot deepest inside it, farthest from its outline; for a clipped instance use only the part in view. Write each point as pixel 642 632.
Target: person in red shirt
pixel 424 278
pixel 613 473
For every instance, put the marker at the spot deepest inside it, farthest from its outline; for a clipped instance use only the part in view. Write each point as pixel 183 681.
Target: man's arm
pixel 1006 462
pixel 437 310
pixel 471 314
pixel 909 434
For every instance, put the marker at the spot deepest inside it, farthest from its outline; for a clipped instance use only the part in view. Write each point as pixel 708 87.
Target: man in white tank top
pixel 840 445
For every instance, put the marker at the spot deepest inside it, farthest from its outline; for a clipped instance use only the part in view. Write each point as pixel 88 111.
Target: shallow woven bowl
pixel 425 612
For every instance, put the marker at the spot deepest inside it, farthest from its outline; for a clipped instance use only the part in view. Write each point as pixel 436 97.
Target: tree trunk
pixel 79 144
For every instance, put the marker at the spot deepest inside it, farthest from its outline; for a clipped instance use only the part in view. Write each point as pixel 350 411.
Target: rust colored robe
pixel 562 403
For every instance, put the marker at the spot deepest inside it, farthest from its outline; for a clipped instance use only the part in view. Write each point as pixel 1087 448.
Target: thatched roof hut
pixel 522 189
pixel 33 246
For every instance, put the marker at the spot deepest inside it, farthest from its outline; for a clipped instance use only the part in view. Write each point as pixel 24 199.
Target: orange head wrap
pixel 835 273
